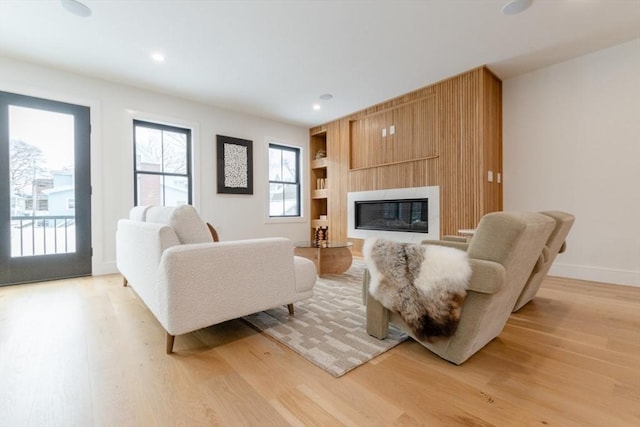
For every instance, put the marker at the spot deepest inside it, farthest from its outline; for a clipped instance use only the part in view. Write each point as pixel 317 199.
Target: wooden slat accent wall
pixel 400 175
pixel 459 129
pixel 470 146
pixel 395 102
pixel 337 145
pixel 424 131
pixel 491 96
pixel 416 124
pixel 461 163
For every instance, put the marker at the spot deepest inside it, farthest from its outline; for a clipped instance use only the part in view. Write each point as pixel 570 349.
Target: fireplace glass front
pixel 407 215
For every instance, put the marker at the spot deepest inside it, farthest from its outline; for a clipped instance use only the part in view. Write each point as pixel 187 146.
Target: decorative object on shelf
pixel 321 235
pixel 235 165
pixel 321 183
pixel 321 154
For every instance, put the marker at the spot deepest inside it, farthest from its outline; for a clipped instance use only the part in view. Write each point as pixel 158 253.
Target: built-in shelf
pixel 319 163
pixel 319 187
pixel 319 194
pixel 319 130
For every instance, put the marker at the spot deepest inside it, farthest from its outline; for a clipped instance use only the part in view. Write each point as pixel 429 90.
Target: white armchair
pixel 189 282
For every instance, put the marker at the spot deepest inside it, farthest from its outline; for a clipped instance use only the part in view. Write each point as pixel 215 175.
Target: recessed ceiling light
pixel 75 7
pixel 326 97
pixel 157 56
pixel 316 107
pixel 515 7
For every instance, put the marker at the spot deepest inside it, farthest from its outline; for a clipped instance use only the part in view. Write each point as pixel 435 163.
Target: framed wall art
pixel 235 165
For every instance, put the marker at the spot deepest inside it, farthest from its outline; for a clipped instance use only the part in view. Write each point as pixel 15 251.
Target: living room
pixel 570 141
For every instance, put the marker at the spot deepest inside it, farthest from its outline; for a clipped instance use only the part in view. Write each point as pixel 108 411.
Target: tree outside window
pixel 284 181
pixel 162 164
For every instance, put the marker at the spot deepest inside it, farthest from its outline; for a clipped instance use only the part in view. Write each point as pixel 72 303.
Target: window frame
pixel 298 180
pixel 189 172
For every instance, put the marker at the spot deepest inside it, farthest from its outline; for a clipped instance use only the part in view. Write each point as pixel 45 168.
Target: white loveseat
pixel 189 282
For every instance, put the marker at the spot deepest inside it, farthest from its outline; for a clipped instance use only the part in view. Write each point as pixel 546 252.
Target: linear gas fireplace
pixel 401 214
pixel 404 215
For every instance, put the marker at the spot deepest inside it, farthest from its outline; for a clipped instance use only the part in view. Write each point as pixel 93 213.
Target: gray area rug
pixel 329 329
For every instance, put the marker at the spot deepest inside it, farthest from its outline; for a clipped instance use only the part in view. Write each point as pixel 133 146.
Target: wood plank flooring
pixel 86 352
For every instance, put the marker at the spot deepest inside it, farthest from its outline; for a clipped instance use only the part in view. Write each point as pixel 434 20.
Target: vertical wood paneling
pixel 491 97
pixel 450 176
pixel 338 146
pixel 401 175
pixel 463 170
pixel 425 129
pixel 357 136
pixel 448 134
pixel 415 134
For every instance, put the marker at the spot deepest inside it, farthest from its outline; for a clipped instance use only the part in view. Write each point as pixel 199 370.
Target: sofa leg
pixel 170 339
pixel 125 282
pixel 290 308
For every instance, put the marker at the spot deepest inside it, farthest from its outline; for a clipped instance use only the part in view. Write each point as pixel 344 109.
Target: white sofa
pixel 189 282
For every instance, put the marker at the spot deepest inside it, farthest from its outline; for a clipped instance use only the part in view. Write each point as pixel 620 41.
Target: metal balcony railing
pixel 42 235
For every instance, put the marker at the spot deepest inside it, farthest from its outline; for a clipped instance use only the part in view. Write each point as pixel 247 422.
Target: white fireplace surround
pixel 432 193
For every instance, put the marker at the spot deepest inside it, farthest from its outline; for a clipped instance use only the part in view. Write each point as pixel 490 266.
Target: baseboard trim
pixel 596 274
pixel 103 268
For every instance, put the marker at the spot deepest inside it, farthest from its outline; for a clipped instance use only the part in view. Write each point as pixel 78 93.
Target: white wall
pixel 572 142
pixel 113 107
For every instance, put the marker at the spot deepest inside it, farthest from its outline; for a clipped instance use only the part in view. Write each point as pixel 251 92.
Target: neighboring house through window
pixel 284 181
pixel 162 166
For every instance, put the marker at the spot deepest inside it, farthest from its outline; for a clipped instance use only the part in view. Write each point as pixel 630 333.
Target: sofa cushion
pixel 184 220
pixel 139 213
pixel 159 214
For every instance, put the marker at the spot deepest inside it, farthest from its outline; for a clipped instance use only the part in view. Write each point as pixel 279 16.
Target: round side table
pixel 329 257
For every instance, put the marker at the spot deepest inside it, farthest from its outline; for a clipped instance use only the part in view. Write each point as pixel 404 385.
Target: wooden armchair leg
pixel 377 314
pixel 377 319
pixel 290 308
pixel 170 340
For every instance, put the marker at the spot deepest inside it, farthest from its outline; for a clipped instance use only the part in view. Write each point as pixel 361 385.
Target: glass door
pixel 45 190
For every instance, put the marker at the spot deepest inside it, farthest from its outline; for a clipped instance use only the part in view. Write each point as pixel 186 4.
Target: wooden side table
pixel 329 257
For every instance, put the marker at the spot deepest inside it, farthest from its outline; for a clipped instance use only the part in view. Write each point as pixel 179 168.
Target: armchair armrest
pixel 462 245
pixel 487 277
pixel 460 239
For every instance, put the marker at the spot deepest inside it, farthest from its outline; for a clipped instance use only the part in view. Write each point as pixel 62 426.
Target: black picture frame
pixel 234 165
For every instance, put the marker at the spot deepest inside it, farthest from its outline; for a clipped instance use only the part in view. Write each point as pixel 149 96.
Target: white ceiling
pixel 275 58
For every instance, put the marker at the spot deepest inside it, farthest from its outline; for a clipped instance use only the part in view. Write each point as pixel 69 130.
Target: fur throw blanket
pixel 425 284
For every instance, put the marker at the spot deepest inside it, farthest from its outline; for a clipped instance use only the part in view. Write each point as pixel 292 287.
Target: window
pixel 284 181
pixel 162 167
pixel 71 203
pixel 41 204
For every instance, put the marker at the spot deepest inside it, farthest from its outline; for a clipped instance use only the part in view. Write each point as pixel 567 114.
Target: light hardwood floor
pixel 86 351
